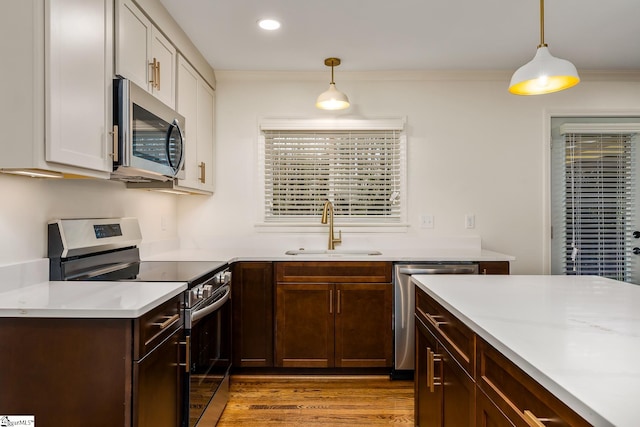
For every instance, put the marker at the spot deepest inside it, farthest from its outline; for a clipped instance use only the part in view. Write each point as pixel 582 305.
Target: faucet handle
pixel 339 239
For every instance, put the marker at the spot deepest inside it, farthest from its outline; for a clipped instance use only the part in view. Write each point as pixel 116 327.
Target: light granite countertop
pixel 578 336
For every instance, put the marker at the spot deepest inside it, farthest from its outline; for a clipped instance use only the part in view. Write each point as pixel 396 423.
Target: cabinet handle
pixel 330 301
pixel 339 302
pixel 203 168
pixel 532 420
pixel 484 271
pixel 432 358
pixel 433 318
pixel 115 143
pixel 158 75
pixel 187 353
pixel 155 74
pixel 168 322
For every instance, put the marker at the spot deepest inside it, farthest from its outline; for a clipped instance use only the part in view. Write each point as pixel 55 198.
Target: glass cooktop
pixel 192 272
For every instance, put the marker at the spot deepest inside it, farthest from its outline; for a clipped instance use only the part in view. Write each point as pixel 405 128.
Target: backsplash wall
pixel 27 204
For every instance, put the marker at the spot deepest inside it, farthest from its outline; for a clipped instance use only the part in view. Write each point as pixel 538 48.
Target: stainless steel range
pixel 107 250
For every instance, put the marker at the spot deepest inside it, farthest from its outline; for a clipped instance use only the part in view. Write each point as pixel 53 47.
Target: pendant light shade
pixel 544 73
pixel 332 99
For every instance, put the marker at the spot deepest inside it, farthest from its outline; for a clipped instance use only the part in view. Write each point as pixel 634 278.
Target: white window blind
pixel 598 203
pixel 359 171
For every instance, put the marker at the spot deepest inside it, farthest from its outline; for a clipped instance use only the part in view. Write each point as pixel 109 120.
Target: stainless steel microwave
pixel 149 142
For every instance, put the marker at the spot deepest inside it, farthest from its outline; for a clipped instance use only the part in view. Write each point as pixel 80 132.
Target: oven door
pixel 209 340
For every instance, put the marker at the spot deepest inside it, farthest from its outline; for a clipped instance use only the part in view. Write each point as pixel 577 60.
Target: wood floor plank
pixel 318 401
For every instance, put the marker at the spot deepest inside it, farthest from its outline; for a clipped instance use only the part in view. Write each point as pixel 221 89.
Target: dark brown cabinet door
pixel 363 335
pixel 158 389
pixel 458 393
pixel 252 305
pixel 488 414
pixel 445 393
pixel 493 267
pixel 427 379
pixel 305 325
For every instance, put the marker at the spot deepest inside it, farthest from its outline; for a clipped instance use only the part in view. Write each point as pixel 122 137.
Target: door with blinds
pixel 594 192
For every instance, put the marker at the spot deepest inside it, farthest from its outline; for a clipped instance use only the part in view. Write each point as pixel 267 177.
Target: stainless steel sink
pixel 332 252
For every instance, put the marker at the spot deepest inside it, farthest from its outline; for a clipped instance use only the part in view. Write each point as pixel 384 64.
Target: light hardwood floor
pixel 318 401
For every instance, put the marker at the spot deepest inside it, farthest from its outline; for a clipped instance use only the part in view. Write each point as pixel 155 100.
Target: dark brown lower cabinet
pixel 461 380
pixel 445 392
pixel 305 325
pixel 488 414
pixel 252 306
pixel 363 333
pixel 334 315
pixel 93 372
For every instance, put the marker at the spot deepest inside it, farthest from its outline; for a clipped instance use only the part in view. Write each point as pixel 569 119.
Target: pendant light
pixel 544 73
pixel 332 99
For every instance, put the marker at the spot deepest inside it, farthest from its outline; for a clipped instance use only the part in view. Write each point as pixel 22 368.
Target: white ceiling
pixel 370 35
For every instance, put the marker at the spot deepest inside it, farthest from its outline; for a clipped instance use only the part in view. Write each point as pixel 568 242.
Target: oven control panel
pixel 209 289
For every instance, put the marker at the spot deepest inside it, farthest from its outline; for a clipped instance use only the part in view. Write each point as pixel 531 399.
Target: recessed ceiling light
pixel 269 24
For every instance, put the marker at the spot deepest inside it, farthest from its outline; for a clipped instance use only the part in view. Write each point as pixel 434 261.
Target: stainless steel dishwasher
pixel 404 307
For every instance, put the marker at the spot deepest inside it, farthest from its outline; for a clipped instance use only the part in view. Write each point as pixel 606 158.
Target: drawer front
pixel 448 329
pixel 517 395
pixel 334 272
pixel 153 327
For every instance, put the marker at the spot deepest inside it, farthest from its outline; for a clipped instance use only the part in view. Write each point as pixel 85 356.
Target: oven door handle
pixel 199 314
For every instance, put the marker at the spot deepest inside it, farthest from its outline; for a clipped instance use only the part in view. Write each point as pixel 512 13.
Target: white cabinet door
pixel 78 58
pixel 163 54
pixel 195 101
pixel 206 105
pixel 187 105
pixel 133 43
pixel 143 54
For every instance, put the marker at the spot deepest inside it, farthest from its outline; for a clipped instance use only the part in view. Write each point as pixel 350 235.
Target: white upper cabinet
pixel 196 101
pixel 143 53
pixel 56 86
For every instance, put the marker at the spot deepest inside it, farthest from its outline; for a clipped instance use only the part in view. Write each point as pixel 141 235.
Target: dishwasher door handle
pixel 437 270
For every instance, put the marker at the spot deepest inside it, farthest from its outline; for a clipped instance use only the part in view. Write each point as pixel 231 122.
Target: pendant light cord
pixel 542 43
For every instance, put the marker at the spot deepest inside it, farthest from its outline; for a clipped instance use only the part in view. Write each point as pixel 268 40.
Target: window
pixel 360 169
pixel 593 199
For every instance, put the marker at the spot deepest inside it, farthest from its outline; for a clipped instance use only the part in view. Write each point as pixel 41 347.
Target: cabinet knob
pixel 636 251
pixel 636 234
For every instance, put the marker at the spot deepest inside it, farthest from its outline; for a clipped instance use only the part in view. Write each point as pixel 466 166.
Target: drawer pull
pixel 168 322
pixel 432 358
pixel 532 420
pixel 433 318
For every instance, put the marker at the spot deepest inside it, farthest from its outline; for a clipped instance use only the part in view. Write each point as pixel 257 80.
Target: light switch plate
pixel 469 221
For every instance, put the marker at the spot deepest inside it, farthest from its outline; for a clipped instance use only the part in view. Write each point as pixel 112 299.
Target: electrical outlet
pixel 469 221
pixel 426 221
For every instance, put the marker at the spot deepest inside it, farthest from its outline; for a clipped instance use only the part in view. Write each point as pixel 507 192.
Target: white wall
pixel 472 148
pixel 27 204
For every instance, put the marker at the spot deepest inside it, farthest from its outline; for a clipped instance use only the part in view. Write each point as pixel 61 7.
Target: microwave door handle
pixel 175 126
pixel 181 161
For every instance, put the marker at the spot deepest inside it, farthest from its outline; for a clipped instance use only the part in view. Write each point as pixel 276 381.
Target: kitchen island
pixel 576 336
